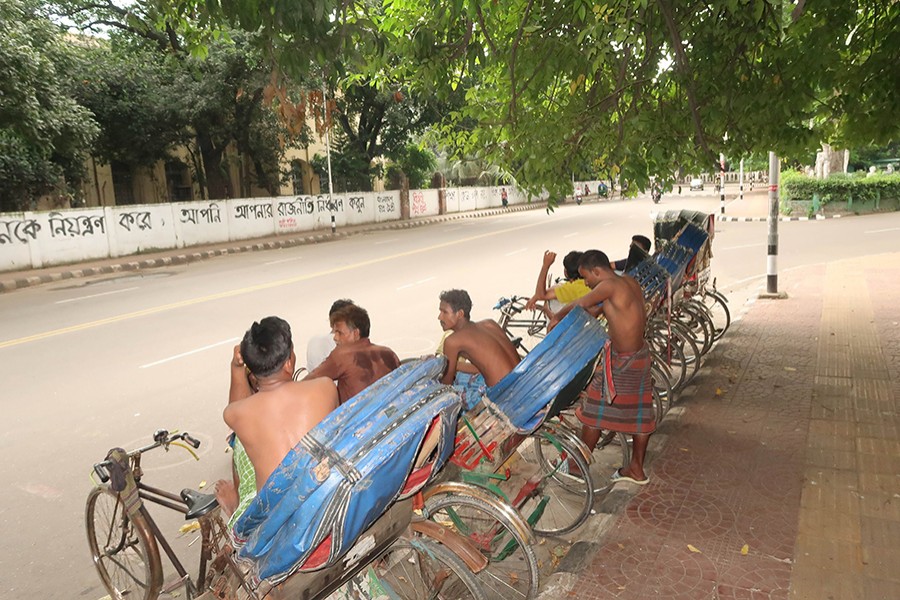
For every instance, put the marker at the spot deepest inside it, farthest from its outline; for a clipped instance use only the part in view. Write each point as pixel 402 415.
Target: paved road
pixel 90 364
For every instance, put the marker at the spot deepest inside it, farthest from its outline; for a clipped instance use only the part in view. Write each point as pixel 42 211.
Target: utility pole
pixel 328 155
pixel 772 259
pixel 741 193
pixel 722 183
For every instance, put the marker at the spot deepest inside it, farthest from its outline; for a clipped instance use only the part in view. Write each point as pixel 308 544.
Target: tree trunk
pixel 218 184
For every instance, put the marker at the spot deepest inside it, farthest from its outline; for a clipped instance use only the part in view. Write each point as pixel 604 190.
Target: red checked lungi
pixel 620 394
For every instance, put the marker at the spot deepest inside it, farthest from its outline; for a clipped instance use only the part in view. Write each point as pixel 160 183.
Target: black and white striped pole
pixel 772 258
pixel 328 154
pixel 741 193
pixel 722 183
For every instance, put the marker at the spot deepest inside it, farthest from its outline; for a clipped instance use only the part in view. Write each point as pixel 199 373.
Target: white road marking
pixel 743 246
pixel 515 251
pixel 883 230
pixel 283 260
pixel 386 241
pixel 95 295
pixel 409 285
pixel 606 224
pixel 188 353
pixel 568 235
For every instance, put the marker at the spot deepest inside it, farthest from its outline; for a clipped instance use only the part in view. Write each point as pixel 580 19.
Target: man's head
pixel 570 264
pixel 338 305
pixel 455 305
pixel 349 324
pixel 267 346
pixel 641 241
pixel 594 267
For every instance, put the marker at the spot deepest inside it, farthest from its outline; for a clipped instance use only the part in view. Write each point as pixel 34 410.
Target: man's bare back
pixel 483 343
pixel 272 421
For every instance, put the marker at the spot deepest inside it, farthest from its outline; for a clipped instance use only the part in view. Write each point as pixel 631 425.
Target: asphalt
pixel 778 473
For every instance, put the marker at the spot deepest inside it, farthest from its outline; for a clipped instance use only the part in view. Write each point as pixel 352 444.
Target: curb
pixel 762 219
pixel 75 272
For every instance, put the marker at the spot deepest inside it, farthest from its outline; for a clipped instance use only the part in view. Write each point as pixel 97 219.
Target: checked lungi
pixel 620 394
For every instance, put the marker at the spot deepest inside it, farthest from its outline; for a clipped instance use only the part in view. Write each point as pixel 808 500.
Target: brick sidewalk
pixel 780 477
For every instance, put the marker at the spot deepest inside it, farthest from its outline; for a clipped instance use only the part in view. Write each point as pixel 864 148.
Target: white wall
pixel 136 229
pixel 38 239
pixel 423 203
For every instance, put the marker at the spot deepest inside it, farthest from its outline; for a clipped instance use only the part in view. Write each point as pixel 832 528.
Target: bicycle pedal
pixel 173 585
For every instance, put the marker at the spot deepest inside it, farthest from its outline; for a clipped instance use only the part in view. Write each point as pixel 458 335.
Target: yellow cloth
pixel 571 290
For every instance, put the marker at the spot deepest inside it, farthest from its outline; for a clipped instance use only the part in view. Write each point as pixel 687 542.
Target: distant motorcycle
pixel 656 195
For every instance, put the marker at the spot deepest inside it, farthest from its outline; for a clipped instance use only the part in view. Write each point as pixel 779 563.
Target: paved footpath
pixel 779 474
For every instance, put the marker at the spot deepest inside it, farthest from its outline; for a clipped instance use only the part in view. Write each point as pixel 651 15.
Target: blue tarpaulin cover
pixel 345 472
pixel 524 396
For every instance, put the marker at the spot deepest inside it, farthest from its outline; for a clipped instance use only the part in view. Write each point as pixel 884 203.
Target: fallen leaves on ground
pixel 745 550
pixel 693 549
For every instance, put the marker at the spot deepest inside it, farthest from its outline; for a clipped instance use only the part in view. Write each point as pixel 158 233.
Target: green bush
pixel 798 189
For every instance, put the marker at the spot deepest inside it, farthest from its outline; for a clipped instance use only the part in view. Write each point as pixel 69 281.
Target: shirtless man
pixel 625 403
pixel 490 354
pixel 356 363
pixel 270 420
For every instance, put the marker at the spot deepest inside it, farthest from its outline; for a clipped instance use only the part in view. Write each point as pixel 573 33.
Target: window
pixel 123 183
pixel 178 181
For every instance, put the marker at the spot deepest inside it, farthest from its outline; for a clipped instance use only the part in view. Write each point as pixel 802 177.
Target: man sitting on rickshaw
pixel 271 416
pixel 489 354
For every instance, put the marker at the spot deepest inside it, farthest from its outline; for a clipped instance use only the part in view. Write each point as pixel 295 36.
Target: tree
pixel 642 87
pixel 44 133
pixel 207 101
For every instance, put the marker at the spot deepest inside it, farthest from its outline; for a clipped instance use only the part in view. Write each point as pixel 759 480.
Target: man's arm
pixel 328 368
pixel 451 351
pixel 240 383
pixel 599 294
pixel 540 289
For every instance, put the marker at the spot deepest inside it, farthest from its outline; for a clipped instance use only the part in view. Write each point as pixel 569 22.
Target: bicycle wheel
pixel 717 305
pixel 563 491
pixel 501 535
pixel 698 325
pixel 690 350
pixel 418 569
pixel 123 548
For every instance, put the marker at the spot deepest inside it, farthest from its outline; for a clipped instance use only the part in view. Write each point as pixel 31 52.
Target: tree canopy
pixel 642 87
pixel 44 132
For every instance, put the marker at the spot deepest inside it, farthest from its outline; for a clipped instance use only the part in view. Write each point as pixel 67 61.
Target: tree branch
pixel 513 100
pixel 685 69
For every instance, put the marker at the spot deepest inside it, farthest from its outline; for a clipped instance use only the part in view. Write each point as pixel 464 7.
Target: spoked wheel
pixel 717 305
pixel 122 548
pixel 671 354
pixel 418 569
pixel 683 339
pixel 662 386
pixel 561 490
pixel 497 530
pixel 698 324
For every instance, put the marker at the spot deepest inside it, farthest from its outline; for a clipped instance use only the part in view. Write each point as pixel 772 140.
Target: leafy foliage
pixel 859 189
pixel 44 133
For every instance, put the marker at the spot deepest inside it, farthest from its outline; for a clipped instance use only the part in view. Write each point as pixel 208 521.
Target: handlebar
pixel 161 438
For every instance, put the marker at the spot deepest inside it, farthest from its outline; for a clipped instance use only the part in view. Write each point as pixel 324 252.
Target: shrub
pixel 797 187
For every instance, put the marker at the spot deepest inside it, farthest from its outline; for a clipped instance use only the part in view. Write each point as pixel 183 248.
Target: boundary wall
pixel 33 240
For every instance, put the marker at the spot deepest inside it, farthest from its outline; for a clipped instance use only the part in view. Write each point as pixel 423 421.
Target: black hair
pixel 570 264
pixel 458 300
pixel 642 241
pixel 266 346
pixel 593 259
pixel 636 254
pixel 354 316
pixel 338 305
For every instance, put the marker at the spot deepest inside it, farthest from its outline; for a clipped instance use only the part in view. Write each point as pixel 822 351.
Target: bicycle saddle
pixel 197 504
